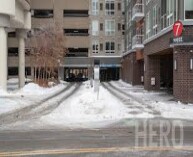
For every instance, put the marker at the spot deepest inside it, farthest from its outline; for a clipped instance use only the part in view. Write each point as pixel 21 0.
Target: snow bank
pixel 84 107
pixel 28 95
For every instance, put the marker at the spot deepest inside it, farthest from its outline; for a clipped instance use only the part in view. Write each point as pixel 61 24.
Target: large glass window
pixel 170 12
pixel 110 7
pixel 148 25
pixel 95 27
pixel 155 20
pixel 109 27
pixel 95 7
pixel 110 47
pixel 95 46
pixel 188 9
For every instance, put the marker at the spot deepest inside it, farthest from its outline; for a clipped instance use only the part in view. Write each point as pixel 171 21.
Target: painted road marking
pixel 93 150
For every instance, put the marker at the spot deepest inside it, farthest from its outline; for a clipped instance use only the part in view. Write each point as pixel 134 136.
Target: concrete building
pixel 168 60
pixel 15 21
pixel 93 33
pixel 133 57
pixel 106 36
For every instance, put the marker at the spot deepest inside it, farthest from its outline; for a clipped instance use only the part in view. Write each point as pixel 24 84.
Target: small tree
pixel 47 48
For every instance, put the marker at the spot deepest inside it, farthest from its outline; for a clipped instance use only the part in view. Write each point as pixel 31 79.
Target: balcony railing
pixel 163 21
pixel 137 42
pixel 138 11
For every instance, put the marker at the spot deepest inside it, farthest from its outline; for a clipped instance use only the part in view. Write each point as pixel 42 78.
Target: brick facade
pixel 132 69
pixel 183 76
pixel 159 65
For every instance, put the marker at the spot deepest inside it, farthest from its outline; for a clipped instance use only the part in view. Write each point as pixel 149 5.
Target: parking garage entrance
pixel 109 74
pixel 75 74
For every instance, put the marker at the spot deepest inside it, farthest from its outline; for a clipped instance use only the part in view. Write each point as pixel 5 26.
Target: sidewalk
pixel 161 101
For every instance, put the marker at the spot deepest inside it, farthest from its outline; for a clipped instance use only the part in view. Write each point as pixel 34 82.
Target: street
pixel 71 122
pixel 114 141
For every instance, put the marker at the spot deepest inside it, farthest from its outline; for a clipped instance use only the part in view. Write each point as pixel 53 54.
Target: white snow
pixel 161 101
pixel 29 94
pixel 83 108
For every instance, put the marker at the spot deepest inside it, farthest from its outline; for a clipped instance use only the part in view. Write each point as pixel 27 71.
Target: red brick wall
pixel 132 69
pixel 183 76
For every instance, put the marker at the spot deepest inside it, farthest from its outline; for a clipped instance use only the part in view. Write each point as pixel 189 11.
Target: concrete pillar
pixel 3 58
pixel 21 40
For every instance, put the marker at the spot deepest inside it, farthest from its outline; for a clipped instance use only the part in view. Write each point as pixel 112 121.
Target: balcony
pixel 137 42
pixel 138 11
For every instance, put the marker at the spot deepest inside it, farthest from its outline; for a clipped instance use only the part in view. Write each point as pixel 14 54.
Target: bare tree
pixel 47 48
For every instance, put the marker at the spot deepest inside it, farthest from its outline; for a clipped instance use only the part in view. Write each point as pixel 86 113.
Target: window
pixel 110 47
pixel 148 25
pixel 95 27
pixel 101 26
pixel 13 71
pixel 95 7
pixel 119 6
pixel 12 34
pixel 101 47
pixel 95 46
pixel 170 11
pixel 110 7
pixel 188 9
pixel 76 32
pixel 109 27
pixel 13 51
pixel 75 13
pixel 42 13
pixel 119 26
pixel 101 6
pixel 155 20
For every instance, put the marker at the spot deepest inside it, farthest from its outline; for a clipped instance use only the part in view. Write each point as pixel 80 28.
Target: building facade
pixel 106 36
pixel 15 22
pixel 133 57
pixel 93 31
pixel 167 59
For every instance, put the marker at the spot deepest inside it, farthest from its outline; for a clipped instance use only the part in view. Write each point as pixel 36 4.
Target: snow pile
pixel 7 105
pixel 34 89
pixel 85 107
pixel 2 92
pixel 28 95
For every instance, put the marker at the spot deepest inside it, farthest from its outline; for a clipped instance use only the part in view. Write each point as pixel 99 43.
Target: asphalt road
pixel 115 141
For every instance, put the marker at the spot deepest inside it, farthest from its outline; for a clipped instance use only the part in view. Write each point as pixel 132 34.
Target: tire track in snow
pixel 17 115
pixel 126 99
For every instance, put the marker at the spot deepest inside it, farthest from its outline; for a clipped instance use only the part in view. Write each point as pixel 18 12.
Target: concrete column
pixel 3 58
pixel 21 40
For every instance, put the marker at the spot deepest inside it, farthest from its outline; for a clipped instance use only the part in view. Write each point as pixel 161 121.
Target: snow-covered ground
pixel 14 98
pixel 84 108
pixel 161 101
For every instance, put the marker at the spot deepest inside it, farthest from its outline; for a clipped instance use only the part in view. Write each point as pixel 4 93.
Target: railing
pixel 137 40
pixel 138 8
pixel 163 21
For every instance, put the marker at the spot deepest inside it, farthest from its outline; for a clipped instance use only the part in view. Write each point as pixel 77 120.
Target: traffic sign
pixel 178 28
